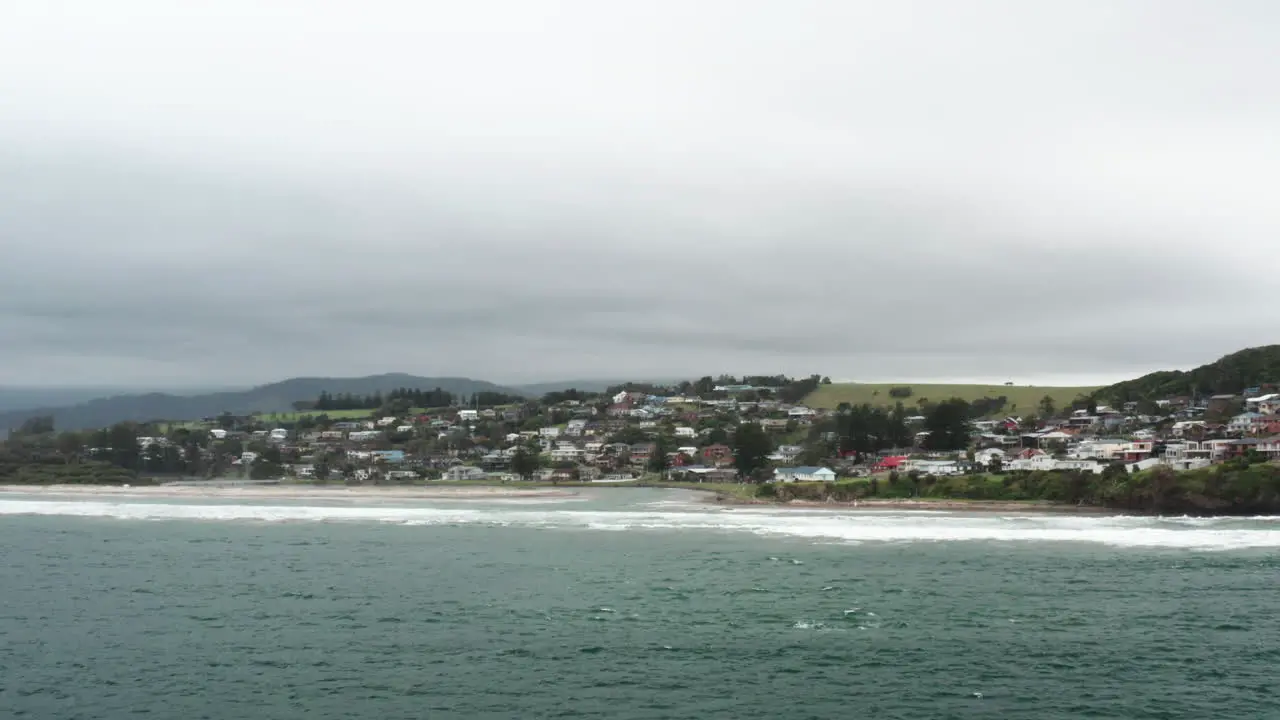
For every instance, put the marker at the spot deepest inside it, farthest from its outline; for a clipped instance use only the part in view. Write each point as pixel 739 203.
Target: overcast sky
pixel 241 191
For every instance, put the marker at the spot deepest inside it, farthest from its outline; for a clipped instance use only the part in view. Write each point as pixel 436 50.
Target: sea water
pixel 625 603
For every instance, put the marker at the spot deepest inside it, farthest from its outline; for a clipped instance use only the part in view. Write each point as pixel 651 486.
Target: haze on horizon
pixel 238 192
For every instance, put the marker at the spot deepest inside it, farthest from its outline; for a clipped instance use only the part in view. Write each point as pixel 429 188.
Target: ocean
pixel 626 603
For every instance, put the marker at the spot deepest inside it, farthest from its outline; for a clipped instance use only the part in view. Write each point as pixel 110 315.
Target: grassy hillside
pixel 273 398
pixel 1021 398
pixel 1232 373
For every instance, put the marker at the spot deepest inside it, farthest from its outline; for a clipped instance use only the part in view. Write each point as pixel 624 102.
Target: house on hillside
pixel 988 456
pixel 464 472
pixel 804 474
pixel 889 463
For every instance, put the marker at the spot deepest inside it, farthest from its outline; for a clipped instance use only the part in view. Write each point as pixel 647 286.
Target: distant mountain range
pixel 80 412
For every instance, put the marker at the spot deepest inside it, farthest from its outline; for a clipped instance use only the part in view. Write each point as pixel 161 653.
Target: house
pixel 641 452
pixel 464 472
pixel 1040 461
pixel 364 435
pixel 988 456
pixel 685 432
pixel 1219 404
pixel 1098 449
pixel 404 429
pixel 717 455
pixel 890 463
pixel 702 473
pixel 218 434
pixel 1092 466
pixel 549 432
pixel 386 421
pixel 934 467
pixel 566 452
pixel 1243 423
pixel 787 453
pixel 1270 447
pixel 804 473
pixel 279 435
pixel 468 416
pixel 388 456
pixel 1269 400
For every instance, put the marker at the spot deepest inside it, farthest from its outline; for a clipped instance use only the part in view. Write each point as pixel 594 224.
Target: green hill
pixel 1253 367
pixel 1018 398
pixel 273 398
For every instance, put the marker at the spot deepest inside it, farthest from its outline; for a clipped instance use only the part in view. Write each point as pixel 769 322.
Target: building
pixel 464 472
pixel 804 473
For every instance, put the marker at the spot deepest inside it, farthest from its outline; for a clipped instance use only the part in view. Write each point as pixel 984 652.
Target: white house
pixel 468 415
pixel 386 421
pixel 804 474
pixel 363 435
pixel 566 452
pixel 1243 422
pixel 549 432
pixel 464 472
pixel 987 456
pixel 279 435
pixel 218 434
pixel 934 467
pixel 800 411
pixel 685 432
pixel 1035 462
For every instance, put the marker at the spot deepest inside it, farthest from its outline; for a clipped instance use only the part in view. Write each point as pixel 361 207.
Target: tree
pixel 525 463
pixel 751 448
pixel 40 425
pixel 1047 407
pixel 658 462
pixel 997 465
pixel 948 425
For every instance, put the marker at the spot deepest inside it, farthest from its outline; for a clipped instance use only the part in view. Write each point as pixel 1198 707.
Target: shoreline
pixel 932 505
pixel 292 492
pixel 709 496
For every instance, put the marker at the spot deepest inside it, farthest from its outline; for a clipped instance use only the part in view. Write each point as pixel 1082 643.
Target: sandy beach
pixel 292 492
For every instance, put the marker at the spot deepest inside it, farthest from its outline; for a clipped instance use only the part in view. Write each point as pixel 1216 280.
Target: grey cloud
pixel 867 190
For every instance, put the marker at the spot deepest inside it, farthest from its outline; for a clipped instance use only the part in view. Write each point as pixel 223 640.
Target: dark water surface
pixel 217 617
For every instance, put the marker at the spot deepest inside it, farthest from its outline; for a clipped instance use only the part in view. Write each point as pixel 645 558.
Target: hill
pixel 1252 367
pixel 1018 398
pixel 272 398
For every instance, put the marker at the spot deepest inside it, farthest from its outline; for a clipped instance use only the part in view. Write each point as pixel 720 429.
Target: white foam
pixel 854 527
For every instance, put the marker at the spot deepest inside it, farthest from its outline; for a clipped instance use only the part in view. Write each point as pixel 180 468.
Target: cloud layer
pixel 523 191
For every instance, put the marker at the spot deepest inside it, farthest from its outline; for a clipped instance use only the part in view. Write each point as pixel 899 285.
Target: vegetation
pixel 1018 399
pixel 1254 367
pixel 1233 488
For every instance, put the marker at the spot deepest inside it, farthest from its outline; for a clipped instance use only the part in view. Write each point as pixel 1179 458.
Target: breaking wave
pixel 852 527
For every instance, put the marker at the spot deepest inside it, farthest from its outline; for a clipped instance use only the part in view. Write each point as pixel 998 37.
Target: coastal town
pixel 726 431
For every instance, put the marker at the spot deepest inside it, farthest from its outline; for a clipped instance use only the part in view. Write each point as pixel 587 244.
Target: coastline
pixel 292 492
pixel 708 495
pixel 931 505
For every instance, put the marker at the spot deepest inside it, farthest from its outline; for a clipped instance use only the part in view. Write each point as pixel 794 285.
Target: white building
pixel 804 474
pixel 464 472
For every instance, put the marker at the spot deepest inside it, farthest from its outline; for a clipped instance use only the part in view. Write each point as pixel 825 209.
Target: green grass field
pixel 1021 398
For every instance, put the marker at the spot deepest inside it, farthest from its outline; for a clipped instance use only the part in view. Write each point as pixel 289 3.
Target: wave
pixel 859 527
